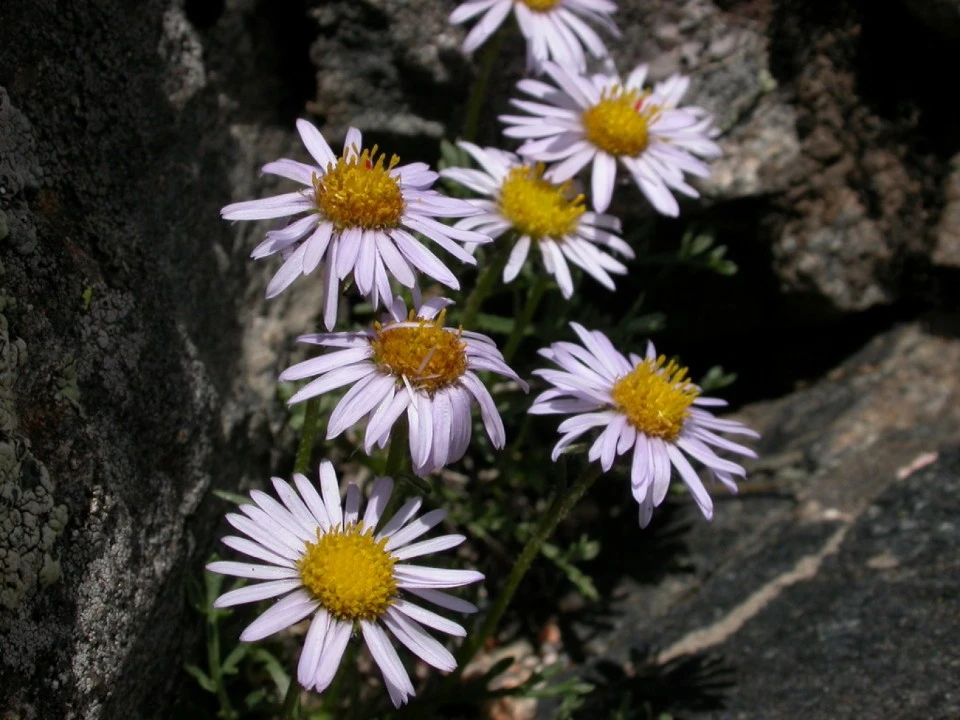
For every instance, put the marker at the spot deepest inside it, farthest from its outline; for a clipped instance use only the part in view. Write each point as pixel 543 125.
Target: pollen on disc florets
pixel 350 573
pixel 428 355
pixel 656 396
pixel 358 191
pixel 541 5
pixel 537 207
pixel 619 123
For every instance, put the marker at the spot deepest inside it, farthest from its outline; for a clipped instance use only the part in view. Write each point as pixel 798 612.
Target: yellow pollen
pixel 350 573
pixel 537 207
pixel 541 5
pixel 656 396
pixel 359 192
pixel 620 123
pixel 429 356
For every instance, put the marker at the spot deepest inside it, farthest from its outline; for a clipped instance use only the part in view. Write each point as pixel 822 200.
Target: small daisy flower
pixel 647 405
pixel 604 119
pixel 330 563
pixel 541 213
pixel 359 215
pixel 408 363
pixel 553 29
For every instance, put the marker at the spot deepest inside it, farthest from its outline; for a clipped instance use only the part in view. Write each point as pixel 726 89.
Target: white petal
pixel 418 641
pixel 394 675
pixel 286 612
pixel 256 593
pixel 331 494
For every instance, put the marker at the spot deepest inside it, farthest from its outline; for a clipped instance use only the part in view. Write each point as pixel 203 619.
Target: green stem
pixel 486 281
pixel 561 505
pixel 526 316
pixel 479 91
pixel 291 701
pixel 216 674
pixel 397 454
pixel 302 463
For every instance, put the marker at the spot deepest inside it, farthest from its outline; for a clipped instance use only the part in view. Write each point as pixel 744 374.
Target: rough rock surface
pixel 136 358
pixel 829 587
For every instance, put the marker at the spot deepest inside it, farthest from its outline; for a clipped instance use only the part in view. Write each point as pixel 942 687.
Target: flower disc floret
pixel 429 356
pixel 350 573
pixel 656 397
pixel 620 123
pixel 537 207
pixel 541 5
pixel 359 191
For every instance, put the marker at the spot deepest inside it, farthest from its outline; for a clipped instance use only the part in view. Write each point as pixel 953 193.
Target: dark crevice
pixel 202 14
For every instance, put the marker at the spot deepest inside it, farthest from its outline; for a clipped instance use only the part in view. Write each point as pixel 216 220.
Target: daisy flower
pixel 359 212
pixel 604 119
pixel 541 213
pixel 408 363
pixel 553 29
pixel 331 564
pixel 647 405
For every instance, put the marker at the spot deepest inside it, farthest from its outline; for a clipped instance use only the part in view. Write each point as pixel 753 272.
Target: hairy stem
pixel 304 450
pixel 559 508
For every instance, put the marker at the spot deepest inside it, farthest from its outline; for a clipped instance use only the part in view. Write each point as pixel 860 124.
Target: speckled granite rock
pixel 137 360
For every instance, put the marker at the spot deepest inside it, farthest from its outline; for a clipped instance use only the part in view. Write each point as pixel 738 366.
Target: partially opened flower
pixel 413 364
pixel 604 119
pixel 359 212
pixel 646 406
pixel 554 29
pixel 541 213
pixel 332 565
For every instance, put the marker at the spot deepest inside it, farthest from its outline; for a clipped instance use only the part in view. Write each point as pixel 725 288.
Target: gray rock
pixel 828 588
pixel 137 358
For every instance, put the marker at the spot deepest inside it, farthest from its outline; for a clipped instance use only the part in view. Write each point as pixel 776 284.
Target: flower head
pixel 330 563
pixel 553 29
pixel 645 405
pixel 541 213
pixel 606 120
pixel 409 363
pixel 359 212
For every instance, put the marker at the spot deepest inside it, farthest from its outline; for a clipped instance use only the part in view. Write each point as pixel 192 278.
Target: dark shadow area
pixel 645 688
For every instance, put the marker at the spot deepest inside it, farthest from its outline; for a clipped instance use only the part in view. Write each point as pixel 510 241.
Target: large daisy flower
pixel 359 215
pixel 330 563
pixel 645 405
pixel 408 363
pixel 605 119
pixel 554 29
pixel 541 213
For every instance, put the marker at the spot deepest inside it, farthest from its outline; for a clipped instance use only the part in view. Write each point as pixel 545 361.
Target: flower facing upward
pixel 605 119
pixel 330 563
pixel 359 213
pixel 647 405
pixel 553 29
pixel 541 213
pixel 408 363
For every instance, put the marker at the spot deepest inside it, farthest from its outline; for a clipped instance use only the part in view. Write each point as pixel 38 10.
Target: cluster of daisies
pixel 363 219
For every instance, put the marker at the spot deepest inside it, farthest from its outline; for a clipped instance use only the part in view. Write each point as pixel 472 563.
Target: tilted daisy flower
pixel 553 29
pixel 541 213
pixel 644 405
pixel 604 119
pixel 409 363
pixel 330 563
pixel 359 212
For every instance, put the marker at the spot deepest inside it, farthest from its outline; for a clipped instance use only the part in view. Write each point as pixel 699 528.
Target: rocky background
pixel 137 358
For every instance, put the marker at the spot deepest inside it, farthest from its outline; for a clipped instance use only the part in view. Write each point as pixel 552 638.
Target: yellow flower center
pixel 429 356
pixel 350 573
pixel 656 396
pixel 537 207
pixel 359 192
pixel 541 5
pixel 620 123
